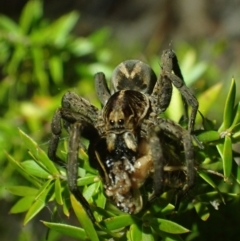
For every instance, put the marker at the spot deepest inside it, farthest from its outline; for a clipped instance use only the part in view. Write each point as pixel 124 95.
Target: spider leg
pixel 78 117
pixel 82 111
pixel 72 167
pixel 72 158
pixel 177 71
pixel 161 95
pixel 162 92
pixel 102 88
pixel 168 126
pixel 56 128
pixel 188 96
pixel 158 162
pixel 170 63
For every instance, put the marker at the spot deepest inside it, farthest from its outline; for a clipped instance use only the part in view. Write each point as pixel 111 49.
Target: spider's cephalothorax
pixel 127 137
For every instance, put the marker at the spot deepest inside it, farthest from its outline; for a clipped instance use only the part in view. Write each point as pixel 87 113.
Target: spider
pixel 126 136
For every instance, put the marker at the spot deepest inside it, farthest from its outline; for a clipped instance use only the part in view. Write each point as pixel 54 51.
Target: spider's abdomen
pixel 133 75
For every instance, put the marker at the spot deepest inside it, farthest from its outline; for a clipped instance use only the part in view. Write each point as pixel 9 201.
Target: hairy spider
pixel 127 137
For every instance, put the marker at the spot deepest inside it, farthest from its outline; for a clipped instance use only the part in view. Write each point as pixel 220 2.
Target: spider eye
pixel 120 121
pixel 112 122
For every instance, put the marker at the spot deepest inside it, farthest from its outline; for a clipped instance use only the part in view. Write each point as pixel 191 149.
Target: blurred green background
pixel 49 47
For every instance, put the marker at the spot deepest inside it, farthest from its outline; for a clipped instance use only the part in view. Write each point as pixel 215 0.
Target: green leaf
pixel 117 222
pixel 34 169
pixel 22 171
pixel 112 211
pixel 208 124
pixel 175 109
pixel 22 190
pixel 56 69
pixel 236 135
pixel 163 204
pixel 44 159
pixel 40 202
pixel 83 219
pixel 134 233
pixel 17 57
pixel 208 136
pixel 195 72
pixel 99 37
pixel 207 179
pixel 101 199
pixel 61 28
pixel 81 47
pixel 235 130
pixel 8 24
pixel 168 226
pixel 202 210
pixel 29 143
pixel 39 62
pixel 168 209
pixel 208 165
pixel 91 190
pixel 236 117
pixel 147 234
pixel 66 202
pixel 68 230
pixel 227 157
pixel 207 98
pixel 39 153
pixel 58 192
pixel 31 12
pixel 88 179
pixel 229 106
pixel 225 151
pixel 22 205
pixel 191 68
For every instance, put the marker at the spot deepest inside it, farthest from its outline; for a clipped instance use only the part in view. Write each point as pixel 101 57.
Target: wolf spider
pixel 126 136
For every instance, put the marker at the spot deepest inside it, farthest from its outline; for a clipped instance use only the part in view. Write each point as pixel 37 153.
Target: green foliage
pixel 215 170
pixel 37 55
pixel 40 60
